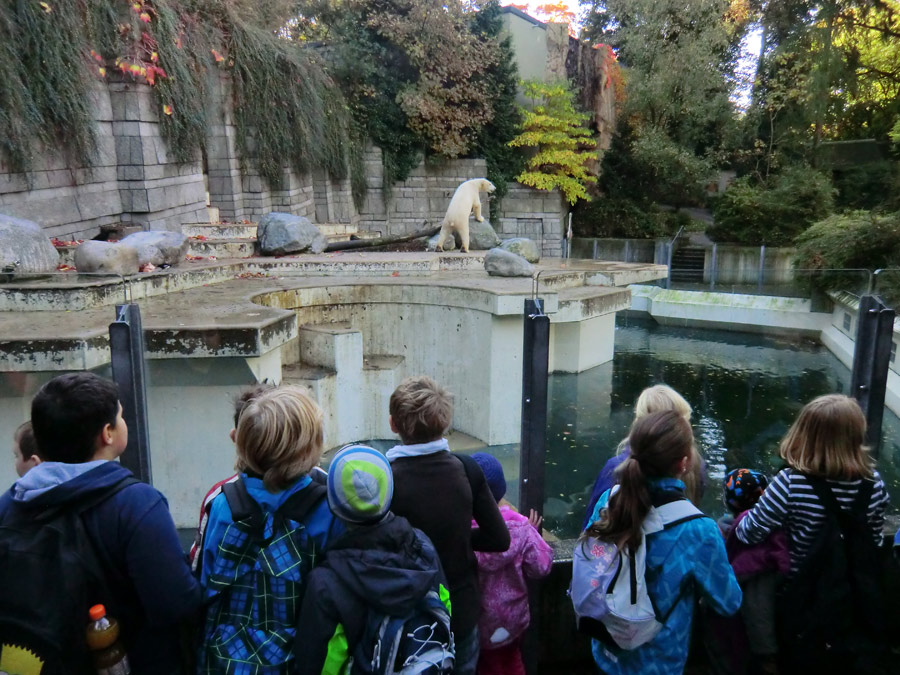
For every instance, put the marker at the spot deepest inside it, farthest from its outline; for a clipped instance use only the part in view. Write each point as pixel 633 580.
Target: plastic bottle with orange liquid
pixel 103 640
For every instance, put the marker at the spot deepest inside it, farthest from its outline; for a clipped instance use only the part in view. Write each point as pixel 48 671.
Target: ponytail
pixel 658 443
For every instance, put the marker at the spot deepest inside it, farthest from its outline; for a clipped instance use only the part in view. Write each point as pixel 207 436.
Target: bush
pixel 868 186
pixel 621 218
pixel 772 212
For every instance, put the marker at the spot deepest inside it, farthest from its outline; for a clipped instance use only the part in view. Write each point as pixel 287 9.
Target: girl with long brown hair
pixel 684 560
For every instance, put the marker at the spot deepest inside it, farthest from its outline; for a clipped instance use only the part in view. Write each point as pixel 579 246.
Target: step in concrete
pixel 220 230
pixel 223 248
pixel 329 229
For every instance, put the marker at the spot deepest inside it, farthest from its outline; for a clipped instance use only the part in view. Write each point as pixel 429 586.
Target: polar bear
pixel 465 200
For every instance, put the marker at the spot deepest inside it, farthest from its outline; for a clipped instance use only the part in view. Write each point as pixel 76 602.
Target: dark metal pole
pixel 871 359
pixel 714 267
pixel 126 343
pixel 535 365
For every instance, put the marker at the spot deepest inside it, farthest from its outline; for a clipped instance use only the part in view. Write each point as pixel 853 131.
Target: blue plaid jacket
pixel 683 563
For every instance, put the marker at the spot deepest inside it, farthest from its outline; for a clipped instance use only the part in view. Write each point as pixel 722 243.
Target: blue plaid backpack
pixel 258 580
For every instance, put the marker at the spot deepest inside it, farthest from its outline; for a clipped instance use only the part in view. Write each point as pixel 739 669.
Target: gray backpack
pixel 608 589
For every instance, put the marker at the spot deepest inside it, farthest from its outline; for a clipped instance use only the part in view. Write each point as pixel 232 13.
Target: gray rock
pixel 284 233
pixel 527 248
pixel 106 257
pixel 449 242
pixel 501 263
pixel 24 248
pixel 482 236
pixel 158 247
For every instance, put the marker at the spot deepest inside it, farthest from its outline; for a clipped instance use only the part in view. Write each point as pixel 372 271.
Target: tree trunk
pixel 381 241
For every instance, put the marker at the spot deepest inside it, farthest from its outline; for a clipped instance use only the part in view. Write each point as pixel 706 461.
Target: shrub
pixel 868 186
pixel 617 217
pixel 772 212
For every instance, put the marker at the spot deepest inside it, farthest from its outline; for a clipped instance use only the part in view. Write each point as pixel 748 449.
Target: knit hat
pixel 360 484
pixel 493 473
pixel 743 488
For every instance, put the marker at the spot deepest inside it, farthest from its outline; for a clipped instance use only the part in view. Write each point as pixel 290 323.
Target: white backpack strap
pixel 677 512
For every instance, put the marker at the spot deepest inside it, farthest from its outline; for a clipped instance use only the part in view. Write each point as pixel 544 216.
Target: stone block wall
pixel 535 214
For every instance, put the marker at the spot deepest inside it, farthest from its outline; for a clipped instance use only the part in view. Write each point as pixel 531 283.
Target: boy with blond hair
pixel 266 531
pixel 441 493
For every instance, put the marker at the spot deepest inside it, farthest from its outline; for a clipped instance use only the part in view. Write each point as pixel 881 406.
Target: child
pixel 653 399
pixel 240 402
pixel 80 433
pixel 25 449
pixel 749 644
pixel 265 532
pixel 440 493
pixel 380 566
pixel 501 576
pixel 684 560
pixel 829 483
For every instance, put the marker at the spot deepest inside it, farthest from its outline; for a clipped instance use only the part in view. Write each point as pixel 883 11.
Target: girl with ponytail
pixel 685 561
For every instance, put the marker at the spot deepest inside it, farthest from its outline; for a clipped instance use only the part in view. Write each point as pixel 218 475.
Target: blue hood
pixel 54 483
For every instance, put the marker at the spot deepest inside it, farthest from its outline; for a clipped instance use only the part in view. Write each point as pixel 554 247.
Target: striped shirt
pixel 789 503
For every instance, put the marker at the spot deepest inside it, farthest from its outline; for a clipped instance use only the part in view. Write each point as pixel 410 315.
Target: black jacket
pixel 434 492
pixel 387 567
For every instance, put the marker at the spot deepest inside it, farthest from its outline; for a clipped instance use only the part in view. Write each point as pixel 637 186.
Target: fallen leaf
pixel 47 8
pixel 167 109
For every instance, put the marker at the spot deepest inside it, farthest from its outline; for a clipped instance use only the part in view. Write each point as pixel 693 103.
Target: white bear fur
pixel 466 199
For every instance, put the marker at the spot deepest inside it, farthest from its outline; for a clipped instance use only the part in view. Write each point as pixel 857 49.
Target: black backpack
pixel 50 576
pixel 830 612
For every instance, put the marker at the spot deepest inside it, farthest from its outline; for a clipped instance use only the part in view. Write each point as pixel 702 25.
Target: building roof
pixel 515 11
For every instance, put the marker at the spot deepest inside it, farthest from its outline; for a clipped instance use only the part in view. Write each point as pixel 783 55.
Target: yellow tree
pixel 562 144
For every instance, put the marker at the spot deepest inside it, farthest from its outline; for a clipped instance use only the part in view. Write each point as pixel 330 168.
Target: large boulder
pixel 527 248
pixel 449 242
pixel 284 233
pixel 106 257
pixel 158 247
pixel 24 247
pixel 482 236
pixel 501 263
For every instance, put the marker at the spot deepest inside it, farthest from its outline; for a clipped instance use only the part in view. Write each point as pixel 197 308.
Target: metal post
pixel 126 343
pixel 669 264
pixel 596 249
pixel 762 263
pixel 627 250
pixel 714 265
pixel 535 367
pixel 871 358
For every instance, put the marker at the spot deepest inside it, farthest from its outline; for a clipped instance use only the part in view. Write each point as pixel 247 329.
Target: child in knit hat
pixel 504 593
pixel 380 567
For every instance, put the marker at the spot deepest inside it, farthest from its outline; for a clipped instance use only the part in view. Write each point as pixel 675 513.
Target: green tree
pixel 556 132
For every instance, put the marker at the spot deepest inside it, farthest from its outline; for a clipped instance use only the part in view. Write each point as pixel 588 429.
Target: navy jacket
pixel 148 574
pixel 388 567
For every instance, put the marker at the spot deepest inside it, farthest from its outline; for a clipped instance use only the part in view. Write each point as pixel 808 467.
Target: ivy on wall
pixel 287 109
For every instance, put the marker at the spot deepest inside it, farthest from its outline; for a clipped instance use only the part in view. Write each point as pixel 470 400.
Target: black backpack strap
pixel 474 474
pixel 81 505
pixel 243 506
pixel 859 507
pixel 299 504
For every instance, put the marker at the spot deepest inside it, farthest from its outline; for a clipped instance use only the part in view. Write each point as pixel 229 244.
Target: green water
pixel 745 391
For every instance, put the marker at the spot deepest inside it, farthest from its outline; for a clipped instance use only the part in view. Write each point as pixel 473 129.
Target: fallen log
pixel 381 241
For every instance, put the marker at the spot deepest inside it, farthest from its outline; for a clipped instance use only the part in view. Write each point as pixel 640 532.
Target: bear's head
pixel 486 186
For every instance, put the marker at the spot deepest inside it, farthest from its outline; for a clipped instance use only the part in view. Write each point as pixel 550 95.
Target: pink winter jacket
pixel 501 576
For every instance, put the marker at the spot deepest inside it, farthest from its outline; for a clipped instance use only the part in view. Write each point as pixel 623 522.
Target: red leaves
pixel 65 243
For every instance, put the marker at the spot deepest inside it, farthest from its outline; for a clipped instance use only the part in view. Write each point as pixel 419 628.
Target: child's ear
pixel 33 461
pixel 232 434
pixel 393 426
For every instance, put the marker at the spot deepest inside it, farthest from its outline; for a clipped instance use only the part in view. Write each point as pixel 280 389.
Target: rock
pixel 106 257
pixel 284 233
pixel 158 247
pixel 449 243
pixel 501 263
pixel 527 248
pixel 482 236
pixel 24 247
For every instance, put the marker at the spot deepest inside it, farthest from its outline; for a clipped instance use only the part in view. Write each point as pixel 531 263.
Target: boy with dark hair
pixel 440 494
pixel 127 549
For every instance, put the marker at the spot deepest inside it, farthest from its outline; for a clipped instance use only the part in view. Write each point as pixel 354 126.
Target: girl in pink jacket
pixel 504 594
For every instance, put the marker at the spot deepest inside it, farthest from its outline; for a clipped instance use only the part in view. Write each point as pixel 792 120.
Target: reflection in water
pixel 745 390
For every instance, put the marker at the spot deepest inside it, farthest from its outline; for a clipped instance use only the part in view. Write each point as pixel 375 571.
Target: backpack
pixel 51 575
pixel 830 613
pixel 258 579
pixel 608 589
pixel 418 643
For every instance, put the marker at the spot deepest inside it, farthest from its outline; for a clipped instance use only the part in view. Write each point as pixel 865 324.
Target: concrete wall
pixel 740 264
pixel 623 250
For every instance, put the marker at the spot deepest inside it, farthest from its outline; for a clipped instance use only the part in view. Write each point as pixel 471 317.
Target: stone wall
pixel 536 214
pixel 133 181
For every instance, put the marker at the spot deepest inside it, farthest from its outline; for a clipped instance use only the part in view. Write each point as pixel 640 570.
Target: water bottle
pixel 103 640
